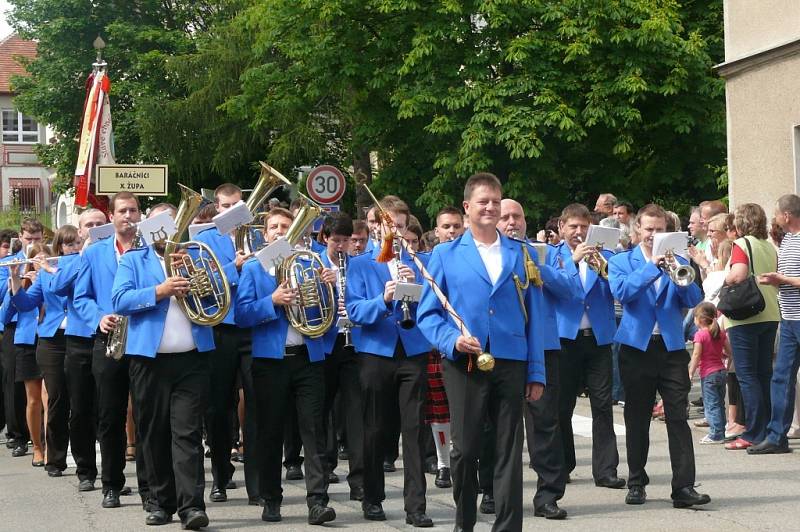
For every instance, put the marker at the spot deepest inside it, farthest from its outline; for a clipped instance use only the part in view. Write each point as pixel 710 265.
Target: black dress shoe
pixel 615 483
pixel 767 447
pixel 419 520
pixel 55 473
pixel 431 466
pixel 294 472
pixel 636 495
pixel 357 494
pixel 271 512
pixel 443 478
pixel 255 501
pixel 333 478
pixel 231 485
pixel 86 485
pixel 218 494
pixel 550 510
pixel 111 499
pixel 487 504
pixel 195 519
pixel 686 497
pixel 126 490
pixel 20 450
pixel 373 512
pixel 12 443
pixel 320 514
pixel 157 517
pixel 388 467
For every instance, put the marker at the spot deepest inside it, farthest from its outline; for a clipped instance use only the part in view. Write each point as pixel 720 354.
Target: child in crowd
pixel 711 346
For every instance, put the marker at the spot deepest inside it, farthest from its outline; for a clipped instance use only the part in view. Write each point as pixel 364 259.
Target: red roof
pixel 10 48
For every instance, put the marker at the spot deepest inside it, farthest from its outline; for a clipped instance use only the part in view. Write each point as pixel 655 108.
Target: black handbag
pixel 742 300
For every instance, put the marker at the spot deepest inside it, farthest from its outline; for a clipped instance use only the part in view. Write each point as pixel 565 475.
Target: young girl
pixel 711 346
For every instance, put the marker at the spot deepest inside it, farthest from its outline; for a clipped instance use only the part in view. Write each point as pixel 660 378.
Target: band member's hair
pixel 673 222
pixel 226 189
pixel 90 210
pixel 395 205
pixel 428 240
pixel 416 229
pixel 652 210
pixel 38 247
pixel 125 195
pixel 360 226
pixel 372 209
pixel 448 210
pixel 481 179
pixel 706 314
pixel 66 234
pixel 623 203
pixel 790 203
pixel 164 206
pixel 278 211
pixel 750 220
pixel 6 235
pixel 31 226
pixel 576 210
pixel 337 223
pixel 206 214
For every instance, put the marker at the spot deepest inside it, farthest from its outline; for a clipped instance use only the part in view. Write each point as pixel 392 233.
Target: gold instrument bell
pixel 269 180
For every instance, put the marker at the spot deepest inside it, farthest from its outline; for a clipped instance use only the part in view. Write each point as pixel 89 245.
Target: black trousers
pixel 643 373
pixel 292 441
pixel 223 364
pixel 291 383
pixel 50 356
pixel 170 394
pixel 113 385
pixel 82 404
pixel 544 437
pixel 252 447
pixel 583 362
pixel 14 398
pixel 475 396
pixel 342 382
pixel 383 380
pixel 392 431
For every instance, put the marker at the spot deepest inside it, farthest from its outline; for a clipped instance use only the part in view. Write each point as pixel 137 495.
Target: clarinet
pixel 342 287
pixel 407 322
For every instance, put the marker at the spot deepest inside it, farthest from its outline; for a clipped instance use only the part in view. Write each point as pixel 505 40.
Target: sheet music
pixel 607 236
pixel 273 255
pixel 194 229
pixel 233 218
pixel 541 251
pixel 100 232
pixel 158 228
pixel 677 242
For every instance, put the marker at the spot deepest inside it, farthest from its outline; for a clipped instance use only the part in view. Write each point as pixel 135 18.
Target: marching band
pixel 350 339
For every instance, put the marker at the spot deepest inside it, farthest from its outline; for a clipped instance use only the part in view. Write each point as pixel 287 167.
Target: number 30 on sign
pixel 325 184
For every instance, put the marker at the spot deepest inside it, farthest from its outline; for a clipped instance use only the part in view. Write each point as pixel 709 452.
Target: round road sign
pixel 325 184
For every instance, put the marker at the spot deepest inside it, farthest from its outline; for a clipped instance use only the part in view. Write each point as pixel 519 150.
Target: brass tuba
pixel 268 181
pixel 209 297
pixel 313 313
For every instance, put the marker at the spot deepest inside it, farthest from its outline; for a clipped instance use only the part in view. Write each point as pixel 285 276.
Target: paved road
pixel 748 493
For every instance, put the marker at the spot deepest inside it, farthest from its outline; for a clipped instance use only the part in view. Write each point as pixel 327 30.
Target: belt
pixel 585 332
pixel 292 350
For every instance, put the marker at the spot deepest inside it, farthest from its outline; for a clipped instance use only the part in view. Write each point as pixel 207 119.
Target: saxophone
pixel 118 337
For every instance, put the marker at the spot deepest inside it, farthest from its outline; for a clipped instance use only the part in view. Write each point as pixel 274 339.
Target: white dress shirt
pixel 583 269
pixel 492 258
pixel 177 336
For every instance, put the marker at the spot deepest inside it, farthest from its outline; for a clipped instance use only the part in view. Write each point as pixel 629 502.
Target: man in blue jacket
pixel 481 274
pixel 288 374
pixel 653 358
pixel 587 328
pixel 231 354
pixel 393 364
pixel 169 380
pixel 92 300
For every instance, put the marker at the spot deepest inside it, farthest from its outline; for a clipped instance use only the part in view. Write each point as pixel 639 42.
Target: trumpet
pixel 595 260
pixel 680 274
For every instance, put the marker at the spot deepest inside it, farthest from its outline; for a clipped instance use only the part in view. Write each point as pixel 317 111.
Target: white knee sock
pixel 441 436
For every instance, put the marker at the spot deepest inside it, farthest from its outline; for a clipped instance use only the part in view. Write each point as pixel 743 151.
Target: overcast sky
pixel 4 27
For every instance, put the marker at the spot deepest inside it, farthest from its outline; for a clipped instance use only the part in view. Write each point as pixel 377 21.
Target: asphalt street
pixel 747 492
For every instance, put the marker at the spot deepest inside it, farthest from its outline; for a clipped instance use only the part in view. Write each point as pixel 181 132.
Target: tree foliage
pixel 563 99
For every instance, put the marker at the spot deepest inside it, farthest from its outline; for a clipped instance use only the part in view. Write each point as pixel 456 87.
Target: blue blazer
pixel 25 333
pixel 631 278
pixel 492 313
pixel 4 273
pixel 268 323
pixel 95 281
pixel 63 284
pixel 380 321
pixel 222 246
pixel 595 299
pixel 559 288
pixel 134 295
pixel 41 292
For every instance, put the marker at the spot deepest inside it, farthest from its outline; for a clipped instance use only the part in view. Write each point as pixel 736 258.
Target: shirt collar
pixel 493 245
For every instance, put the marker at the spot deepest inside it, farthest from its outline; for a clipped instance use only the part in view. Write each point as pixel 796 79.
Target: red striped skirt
pixel 437 410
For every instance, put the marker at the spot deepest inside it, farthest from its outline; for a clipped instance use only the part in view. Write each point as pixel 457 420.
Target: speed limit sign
pixel 325 184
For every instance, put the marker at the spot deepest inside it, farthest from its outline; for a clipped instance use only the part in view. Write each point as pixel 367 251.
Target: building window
pixel 25 194
pixel 18 128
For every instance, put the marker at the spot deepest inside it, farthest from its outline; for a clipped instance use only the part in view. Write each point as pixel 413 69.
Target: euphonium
pixel 209 296
pixel 596 261
pixel 681 274
pixel 316 306
pixel 268 181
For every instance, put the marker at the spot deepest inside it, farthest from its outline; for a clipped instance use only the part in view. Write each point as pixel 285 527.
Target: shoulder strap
pixel 750 252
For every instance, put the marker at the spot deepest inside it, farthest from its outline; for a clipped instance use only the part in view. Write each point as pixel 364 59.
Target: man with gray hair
pixel 605 204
